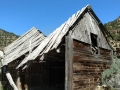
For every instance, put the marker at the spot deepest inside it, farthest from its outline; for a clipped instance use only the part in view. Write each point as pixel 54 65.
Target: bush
pixel 111 73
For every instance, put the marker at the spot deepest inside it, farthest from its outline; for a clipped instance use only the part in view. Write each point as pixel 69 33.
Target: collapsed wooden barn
pixel 72 57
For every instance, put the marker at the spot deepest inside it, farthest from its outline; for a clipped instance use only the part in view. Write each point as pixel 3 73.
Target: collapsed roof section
pixel 24 44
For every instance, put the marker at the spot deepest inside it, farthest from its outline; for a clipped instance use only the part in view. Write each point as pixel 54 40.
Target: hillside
pixel 114 28
pixel 6 38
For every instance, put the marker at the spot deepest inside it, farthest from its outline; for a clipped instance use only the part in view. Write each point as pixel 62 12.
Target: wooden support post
pixel 18 83
pixel 24 80
pixel 26 86
pixel 68 63
pixel 8 75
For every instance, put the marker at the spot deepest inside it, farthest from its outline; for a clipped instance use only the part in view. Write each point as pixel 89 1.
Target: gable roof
pixel 54 39
pixel 27 42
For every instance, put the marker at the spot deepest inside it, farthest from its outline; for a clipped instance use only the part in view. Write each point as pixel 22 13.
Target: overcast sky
pixel 18 16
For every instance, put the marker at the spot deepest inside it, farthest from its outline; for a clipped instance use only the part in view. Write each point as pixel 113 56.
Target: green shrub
pixel 109 73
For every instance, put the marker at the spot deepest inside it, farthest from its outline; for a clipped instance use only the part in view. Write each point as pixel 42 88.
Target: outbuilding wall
pixel 83 68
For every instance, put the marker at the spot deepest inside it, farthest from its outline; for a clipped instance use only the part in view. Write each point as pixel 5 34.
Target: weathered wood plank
pixel 81 45
pixel 105 52
pixel 9 77
pixel 18 82
pixel 68 62
pixel 85 77
pixel 81 55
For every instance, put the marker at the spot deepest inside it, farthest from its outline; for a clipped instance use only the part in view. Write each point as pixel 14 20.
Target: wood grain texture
pixel 69 63
pixel 87 68
pixel 86 26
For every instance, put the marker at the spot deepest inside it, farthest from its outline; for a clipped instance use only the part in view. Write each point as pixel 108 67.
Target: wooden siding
pixel 48 75
pixel 86 26
pixel 86 67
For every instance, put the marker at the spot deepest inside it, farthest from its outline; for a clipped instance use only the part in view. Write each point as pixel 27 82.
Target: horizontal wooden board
pixel 85 84
pixel 85 77
pixel 105 52
pixel 80 45
pixel 87 68
pixel 88 87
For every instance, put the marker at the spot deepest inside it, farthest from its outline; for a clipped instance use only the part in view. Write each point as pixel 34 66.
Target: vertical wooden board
pixel 68 63
pixel 18 82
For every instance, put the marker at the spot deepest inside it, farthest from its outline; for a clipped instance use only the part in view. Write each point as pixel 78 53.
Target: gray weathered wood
pixel 21 46
pixel 8 75
pixel 68 63
pixel 18 81
pixel 86 26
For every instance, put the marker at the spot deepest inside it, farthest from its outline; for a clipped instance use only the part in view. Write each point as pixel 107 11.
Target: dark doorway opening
pixel 57 75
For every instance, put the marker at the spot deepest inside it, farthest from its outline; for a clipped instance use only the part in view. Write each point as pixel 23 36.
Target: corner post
pixel 68 63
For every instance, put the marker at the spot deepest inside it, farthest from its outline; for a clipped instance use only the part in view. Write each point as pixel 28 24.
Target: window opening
pixel 94 43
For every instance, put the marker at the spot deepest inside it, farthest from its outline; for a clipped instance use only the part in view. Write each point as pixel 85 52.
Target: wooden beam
pixel 9 77
pixel 27 65
pixel 18 83
pixel 68 63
